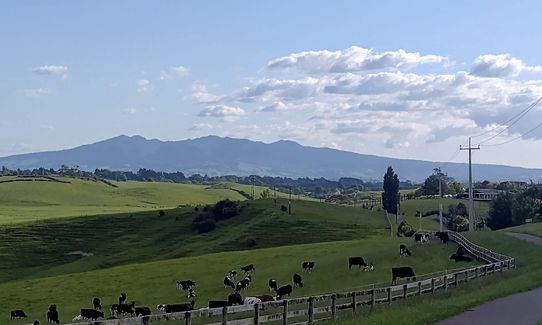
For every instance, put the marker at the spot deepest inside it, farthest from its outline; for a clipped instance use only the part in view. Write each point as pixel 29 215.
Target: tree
pixel 265 194
pixel 161 213
pixel 500 212
pixel 391 191
pixel 455 188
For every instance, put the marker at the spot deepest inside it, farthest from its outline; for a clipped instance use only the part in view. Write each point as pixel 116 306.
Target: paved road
pixel 518 309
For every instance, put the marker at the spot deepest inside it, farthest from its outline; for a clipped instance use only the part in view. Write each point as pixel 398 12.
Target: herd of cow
pixel 239 284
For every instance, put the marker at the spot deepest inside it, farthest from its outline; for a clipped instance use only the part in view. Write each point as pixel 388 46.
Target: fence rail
pixel 310 309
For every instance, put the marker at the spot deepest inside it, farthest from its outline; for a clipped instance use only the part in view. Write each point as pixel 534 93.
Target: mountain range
pixel 213 155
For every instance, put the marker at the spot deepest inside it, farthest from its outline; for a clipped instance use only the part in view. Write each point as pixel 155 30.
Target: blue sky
pixel 393 78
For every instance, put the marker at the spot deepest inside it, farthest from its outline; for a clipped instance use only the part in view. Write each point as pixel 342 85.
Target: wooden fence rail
pixel 311 309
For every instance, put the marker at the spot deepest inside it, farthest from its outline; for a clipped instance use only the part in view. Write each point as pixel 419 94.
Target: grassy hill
pixel 54 247
pixel 152 283
pixel 528 228
pixel 32 199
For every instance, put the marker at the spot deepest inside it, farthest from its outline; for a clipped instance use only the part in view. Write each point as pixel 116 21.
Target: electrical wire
pixel 514 139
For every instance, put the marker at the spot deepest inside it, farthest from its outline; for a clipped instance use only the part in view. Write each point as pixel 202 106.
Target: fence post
pixel 225 316
pixel 354 303
pixel 373 297
pixel 389 296
pixel 256 314
pixel 419 288
pixel 405 291
pixel 188 318
pixel 500 266
pixel 333 306
pixel 445 279
pixel 285 312
pixel 311 310
pixel 477 272
pixel 466 275
pixel 455 279
pixel 432 285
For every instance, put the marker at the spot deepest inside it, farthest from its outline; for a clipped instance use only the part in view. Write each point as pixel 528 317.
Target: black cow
pixel 273 285
pixel 228 283
pixel 218 303
pixel 443 236
pixel 404 251
pixel 461 258
pixel 91 314
pixel 235 299
pixel 52 315
pixel 298 281
pixel 402 272
pixel 17 313
pixel 421 238
pixel 176 308
pixel 283 291
pixel 122 298
pixel 307 266
pixel 242 285
pixel 97 303
pixel 185 284
pixel 358 261
pixel 248 268
pixel 461 250
pixel 142 311
pixel 265 298
pixel 127 308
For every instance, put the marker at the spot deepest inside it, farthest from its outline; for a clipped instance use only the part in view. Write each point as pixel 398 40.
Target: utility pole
pixel 471 208
pixel 275 194
pixel 252 189
pixel 439 174
pixel 290 202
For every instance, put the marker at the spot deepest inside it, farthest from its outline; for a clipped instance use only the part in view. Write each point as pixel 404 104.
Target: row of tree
pixel 513 208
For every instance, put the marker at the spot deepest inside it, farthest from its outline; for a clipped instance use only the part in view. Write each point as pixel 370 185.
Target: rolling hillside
pixel 213 155
pixel 37 200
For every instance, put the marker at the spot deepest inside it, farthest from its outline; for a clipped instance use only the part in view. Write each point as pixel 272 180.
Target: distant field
pixel 37 200
pixel 153 283
pixel 528 228
pixel 38 249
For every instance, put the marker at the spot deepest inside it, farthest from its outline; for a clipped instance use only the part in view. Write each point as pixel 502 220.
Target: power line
pixel 521 115
pixel 514 139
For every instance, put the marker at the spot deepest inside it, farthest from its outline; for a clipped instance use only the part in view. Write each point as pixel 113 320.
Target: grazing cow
pixel 52 315
pixel 421 238
pixel 142 311
pixel 176 308
pixel 252 301
pixel 218 303
pixel 242 285
pixel 248 268
pixel 127 308
pixel 265 298
pixel 443 236
pixel 232 274
pixel 97 303
pixel 461 250
pixel 235 299
pixel 18 313
pixel 404 251
pixel 359 261
pixel 461 258
pixel 228 282
pixel 307 266
pixel 273 285
pixel 283 291
pixel 91 314
pixel 122 298
pixel 298 281
pixel 185 284
pixel 191 294
pixel 402 272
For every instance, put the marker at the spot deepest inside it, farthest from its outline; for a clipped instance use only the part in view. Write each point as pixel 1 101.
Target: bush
pixel 161 213
pixel 251 243
pixel 204 226
pixel 283 208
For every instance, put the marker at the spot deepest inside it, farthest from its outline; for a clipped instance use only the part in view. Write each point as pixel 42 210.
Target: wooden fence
pixel 314 308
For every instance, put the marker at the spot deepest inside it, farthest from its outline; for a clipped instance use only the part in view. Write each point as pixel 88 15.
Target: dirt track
pixel 517 309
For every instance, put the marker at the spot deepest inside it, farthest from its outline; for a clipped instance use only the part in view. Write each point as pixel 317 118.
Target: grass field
pixel 37 200
pixel 40 249
pixel 430 309
pixel 529 228
pixel 152 283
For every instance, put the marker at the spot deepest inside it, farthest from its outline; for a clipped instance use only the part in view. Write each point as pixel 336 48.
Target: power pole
pixel 290 202
pixel 471 208
pixel 439 174
pixel 275 194
pixel 252 189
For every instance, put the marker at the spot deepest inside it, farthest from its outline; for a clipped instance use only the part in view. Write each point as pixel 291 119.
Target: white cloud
pixel 37 92
pixel 275 107
pixel 353 59
pixel 50 69
pixel 201 127
pixel 143 85
pixel 500 66
pixel 174 72
pixel 227 113
pixel 136 110
pixel 201 95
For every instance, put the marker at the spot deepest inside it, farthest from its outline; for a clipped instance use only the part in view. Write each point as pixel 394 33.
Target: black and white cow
pixel 17 313
pixel 443 236
pixel 461 258
pixel 228 282
pixel 273 285
pixel 97 303
pixel 360 262
pixel 176 308
pixel 283 291
pixel 298 281
pixel 402 272
pixel 404 251
pixel 91 314
pixel 52 315
pixel 307 266
pixel 248 268
pixel 185 284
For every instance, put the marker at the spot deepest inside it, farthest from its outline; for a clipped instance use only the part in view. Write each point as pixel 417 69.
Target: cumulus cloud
pixel 174 72
pixel 136 110
pixel 201 127
pixel 37 92
pixel 143 85
pixel 275 107
pixel 227 113
pixel 500 66
pixel 50 69
pixel 353 59
pixel 201 95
